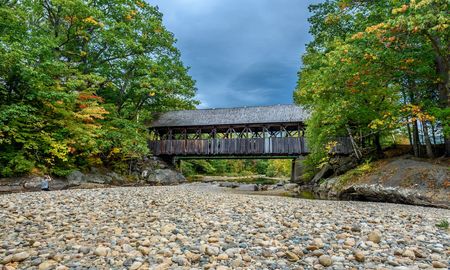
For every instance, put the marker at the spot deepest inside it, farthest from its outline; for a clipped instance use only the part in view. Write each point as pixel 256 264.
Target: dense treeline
pixel 374 69
pixel 238 167
pixel 80 79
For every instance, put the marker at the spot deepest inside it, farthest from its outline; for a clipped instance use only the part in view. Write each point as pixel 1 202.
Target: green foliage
pixel 80 82
pixel 443 224
pixel 372 68
pixel 240 167
pixel 278 167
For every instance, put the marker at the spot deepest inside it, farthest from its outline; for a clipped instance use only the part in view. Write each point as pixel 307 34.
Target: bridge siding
pixel 241 146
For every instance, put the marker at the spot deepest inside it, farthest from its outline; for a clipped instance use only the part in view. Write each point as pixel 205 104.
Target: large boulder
pixel 98 178
pixel 380 193
pixel 291 187
pixel 75 178
pixel 33 183
pixel 342 164
pixel 325 172
pixel 165 177
pixel 116 178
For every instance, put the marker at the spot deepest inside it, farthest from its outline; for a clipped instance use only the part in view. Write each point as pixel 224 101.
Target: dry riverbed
pixel 197 226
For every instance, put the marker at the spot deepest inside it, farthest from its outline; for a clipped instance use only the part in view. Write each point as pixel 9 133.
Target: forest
pixel 80 82
pixel 377 71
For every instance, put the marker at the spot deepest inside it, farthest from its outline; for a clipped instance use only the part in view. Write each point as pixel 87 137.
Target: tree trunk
pixel 408 127
pixel 379 149
pixel 442 69
pixel 426 135
pixel 433 132
pixel 416 142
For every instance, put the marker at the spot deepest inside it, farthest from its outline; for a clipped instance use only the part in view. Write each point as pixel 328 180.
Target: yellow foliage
pixel 59 150
pixel 376 123
pixel 374 28
pixel 417 113
pixel 131 15
pixel 89 114
pixel 368 56
pixel 330 145
pixel 401 9
pixel 140 4
pixel 91 20
pixel 358 35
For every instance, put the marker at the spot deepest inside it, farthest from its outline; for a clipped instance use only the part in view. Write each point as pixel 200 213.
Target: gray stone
pixel 116 178
pixel 33 183
pixel 291 187
pixel 165 177
pixel 75 178
pixel 325 172
pixel 325 260
pixel 247 187
pixel 18 257
pixel 98 178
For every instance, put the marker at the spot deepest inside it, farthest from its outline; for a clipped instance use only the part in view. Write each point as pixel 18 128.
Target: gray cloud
pixel 241 52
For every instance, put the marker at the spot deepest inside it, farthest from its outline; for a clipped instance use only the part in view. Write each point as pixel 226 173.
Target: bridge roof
pixel 233 116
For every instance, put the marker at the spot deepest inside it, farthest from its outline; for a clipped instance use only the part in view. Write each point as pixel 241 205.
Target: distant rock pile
pixel 148 171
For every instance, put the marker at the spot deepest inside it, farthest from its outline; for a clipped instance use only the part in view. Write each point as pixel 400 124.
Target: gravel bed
pixel 198 227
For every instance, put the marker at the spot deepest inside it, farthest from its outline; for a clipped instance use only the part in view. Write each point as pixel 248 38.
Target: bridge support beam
pixel 297 170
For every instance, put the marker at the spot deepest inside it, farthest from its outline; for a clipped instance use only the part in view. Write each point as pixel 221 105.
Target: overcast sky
pixel 241 52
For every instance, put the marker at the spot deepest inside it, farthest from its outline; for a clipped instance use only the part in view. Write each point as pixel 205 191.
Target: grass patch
pixel 443 224
pixel 306 195
pixel 357 172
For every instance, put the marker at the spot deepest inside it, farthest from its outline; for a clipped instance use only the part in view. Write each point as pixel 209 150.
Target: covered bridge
pixel 265 131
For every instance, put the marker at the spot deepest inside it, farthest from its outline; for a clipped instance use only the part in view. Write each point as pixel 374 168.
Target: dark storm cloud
pixel 241 52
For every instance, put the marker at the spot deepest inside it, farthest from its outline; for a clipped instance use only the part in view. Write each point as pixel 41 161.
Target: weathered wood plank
pixel 241 146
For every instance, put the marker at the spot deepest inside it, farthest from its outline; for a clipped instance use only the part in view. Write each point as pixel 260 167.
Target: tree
pixel 80 80
pixel 369 71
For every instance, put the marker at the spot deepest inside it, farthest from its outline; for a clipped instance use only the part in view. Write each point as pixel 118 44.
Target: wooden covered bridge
pixel 249 132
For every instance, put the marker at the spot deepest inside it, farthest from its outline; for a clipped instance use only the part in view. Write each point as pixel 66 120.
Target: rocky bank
pixel 147 171
pixel 197 226
pixel 398 180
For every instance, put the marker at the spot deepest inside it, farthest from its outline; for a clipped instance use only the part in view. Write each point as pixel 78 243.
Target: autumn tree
pixel 373 68
pixel 80 80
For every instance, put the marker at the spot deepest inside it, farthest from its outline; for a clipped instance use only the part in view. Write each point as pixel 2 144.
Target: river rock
pixel 292 256
pixel 76 178
pixel 438 264
pixel 101 251
pixel 165 177
pixel 34 183
pixel 359 256
pixel 324 172
pixel 196 226
pixel 374 236
pixel 18 257
pixel 291 187
pixel 47 265
pixel 325 260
